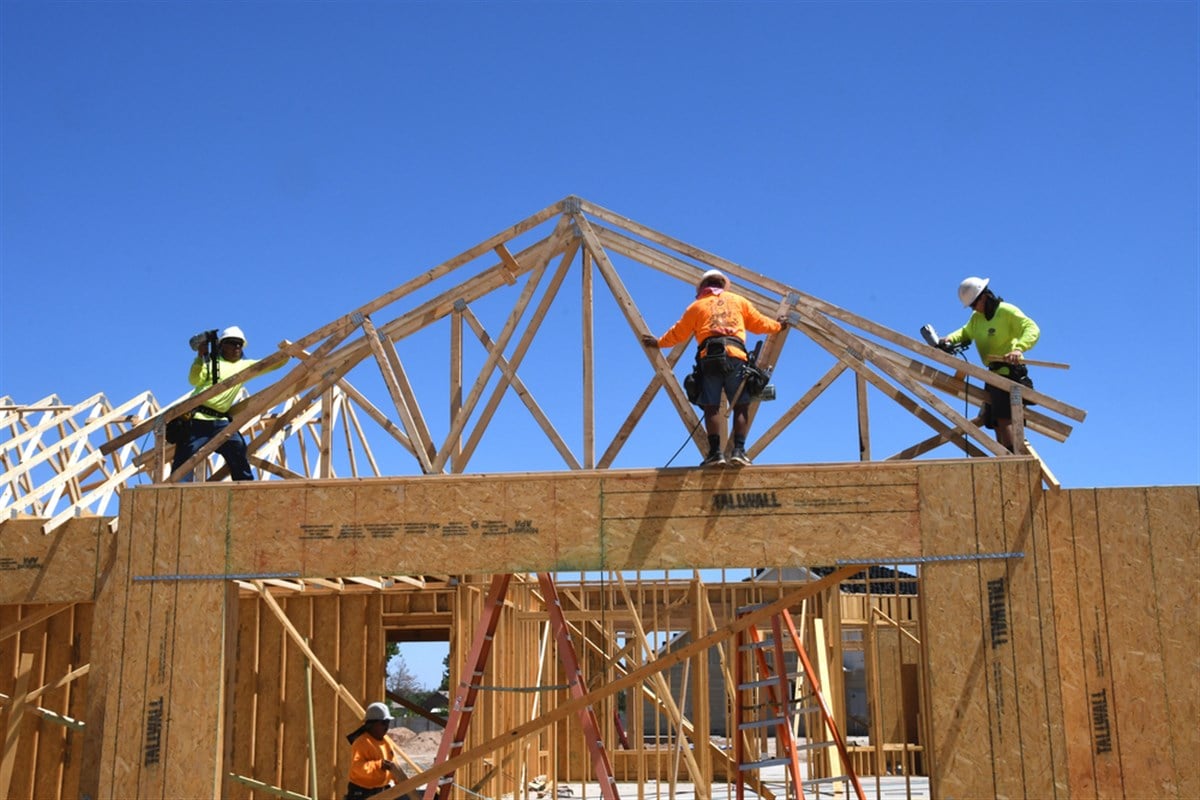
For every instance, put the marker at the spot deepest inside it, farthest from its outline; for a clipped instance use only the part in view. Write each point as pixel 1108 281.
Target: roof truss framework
pixel 55 465
pixel 522 269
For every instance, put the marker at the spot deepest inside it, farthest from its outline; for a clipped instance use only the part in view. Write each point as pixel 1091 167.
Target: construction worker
pixel 209 419
pixel 372 755
pixel 1001 333
pixel 719 319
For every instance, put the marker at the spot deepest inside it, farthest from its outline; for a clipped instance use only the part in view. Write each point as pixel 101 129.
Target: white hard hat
pixel 377 712
pixel 970 289
pixel 232 332
pixel 712 273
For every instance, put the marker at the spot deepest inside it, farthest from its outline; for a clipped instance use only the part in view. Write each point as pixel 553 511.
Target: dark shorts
pixel 998 407
pixel 721 376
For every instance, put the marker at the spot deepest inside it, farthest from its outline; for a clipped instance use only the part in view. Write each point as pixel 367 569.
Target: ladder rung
pixel 758 683
pixel 753 606
pixel 769 762
pixel 815 745
pixel 762 723
pixel 757 645
pixel 834 779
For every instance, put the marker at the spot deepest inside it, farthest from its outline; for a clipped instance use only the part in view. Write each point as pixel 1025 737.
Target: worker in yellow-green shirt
pixel 209 419
pixel 1001 333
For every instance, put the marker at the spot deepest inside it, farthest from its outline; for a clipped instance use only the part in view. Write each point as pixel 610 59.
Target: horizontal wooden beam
pixel 529 522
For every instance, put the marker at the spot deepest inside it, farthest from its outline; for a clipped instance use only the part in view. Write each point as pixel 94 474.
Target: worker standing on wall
pixel 373 766
pixel 218 356
pixel 1001 333
pixel 719 319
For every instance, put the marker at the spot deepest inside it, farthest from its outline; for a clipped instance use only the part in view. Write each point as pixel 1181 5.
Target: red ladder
pixel 468 688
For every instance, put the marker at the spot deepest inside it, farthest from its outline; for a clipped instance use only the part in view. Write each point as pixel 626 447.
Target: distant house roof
pixel 884 580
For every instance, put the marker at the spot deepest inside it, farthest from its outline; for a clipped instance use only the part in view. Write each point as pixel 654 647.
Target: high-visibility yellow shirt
pixel 1008 329
pixel 200 377
pixel 367 755
pixel 719 314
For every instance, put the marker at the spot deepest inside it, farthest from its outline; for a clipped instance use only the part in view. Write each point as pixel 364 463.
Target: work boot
pixel 714 459
pixel 739 458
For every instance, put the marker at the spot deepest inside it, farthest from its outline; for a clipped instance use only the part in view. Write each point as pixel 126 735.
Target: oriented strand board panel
pixel 1140 711
pixel 956 642
pixel 162 728
pixel 1173 516
pixel 60 567
pixel 642 519
pixel 996 726
pixel 1077 769
pixel 1082 680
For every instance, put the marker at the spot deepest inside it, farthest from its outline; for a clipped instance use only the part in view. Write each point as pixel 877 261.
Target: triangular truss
pixel 52 467
pixel 522 271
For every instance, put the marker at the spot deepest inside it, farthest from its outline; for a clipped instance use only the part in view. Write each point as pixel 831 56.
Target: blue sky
pixel 169 167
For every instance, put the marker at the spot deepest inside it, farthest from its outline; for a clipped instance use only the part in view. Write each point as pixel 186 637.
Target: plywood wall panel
pixel 552 522
pixel 1020 485
pixel 1174 523
pixel 1076 711
pixel 1138 707
pixel 126 604
pixel 204 525
pixel 1042 667
pixel 995 626
pixel 199 635
pixel 957 660
pixel 1094 637
pixel 273 517
pixel 158 604
pixel 60 567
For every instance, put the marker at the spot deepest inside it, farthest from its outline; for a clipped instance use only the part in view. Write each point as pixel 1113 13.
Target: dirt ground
pixel 420 747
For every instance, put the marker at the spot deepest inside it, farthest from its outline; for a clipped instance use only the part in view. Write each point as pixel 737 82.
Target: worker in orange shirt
pixel 372 755
pixel 719 319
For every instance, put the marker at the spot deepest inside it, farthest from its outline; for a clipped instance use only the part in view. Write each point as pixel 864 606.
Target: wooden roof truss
pixel 526 266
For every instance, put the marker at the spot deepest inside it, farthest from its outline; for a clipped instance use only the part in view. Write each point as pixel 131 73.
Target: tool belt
pixel 713 356
pixel 179 430
pixel 718 346
pixel 212 412
pixel 1016 372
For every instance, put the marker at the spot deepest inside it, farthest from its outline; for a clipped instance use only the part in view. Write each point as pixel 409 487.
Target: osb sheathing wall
pixel 1075 670
pixel 1070 672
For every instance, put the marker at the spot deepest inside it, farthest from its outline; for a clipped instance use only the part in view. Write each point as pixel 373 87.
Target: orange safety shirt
pixel 367 755
pixel 719 313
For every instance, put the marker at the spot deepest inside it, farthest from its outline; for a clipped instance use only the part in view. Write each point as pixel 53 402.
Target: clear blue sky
pixel 169 167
